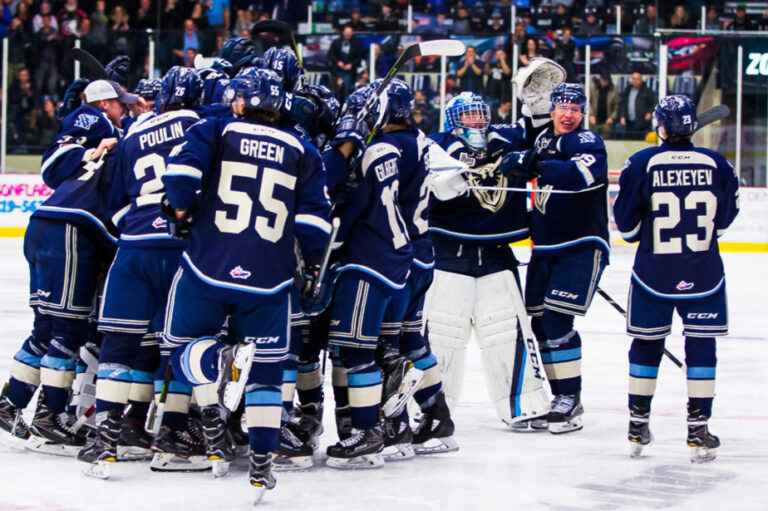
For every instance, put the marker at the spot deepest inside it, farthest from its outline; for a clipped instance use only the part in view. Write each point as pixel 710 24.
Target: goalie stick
pixel 92 67
pixel 621 311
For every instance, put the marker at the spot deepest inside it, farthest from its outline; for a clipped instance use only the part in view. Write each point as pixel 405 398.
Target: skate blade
pixel 169 462
pixel 133 453
pixel 702 454
pixel 636 448
pixel 408 387
pixel 558 428
pixel 436 446
pixel 364 462
pixel 45 446
pixel 282 463
pixel 99 470
pixel 398 452
pixel 259 490
pixel 219 466
pixel 536 425
pixel 12 441
pixel 232 392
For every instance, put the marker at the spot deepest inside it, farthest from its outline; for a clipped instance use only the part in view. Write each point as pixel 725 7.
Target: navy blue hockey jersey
pixel 483 216
pixel 79 189
pixel 137 170
pixel 576 162
pixel 373 228
pixel 414 193
pixel 251 189
pixel 676 200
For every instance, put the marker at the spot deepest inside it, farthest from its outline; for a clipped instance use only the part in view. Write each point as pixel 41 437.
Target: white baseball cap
pixel 105 89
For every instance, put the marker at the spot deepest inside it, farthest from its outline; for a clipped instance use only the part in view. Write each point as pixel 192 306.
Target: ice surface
pixel 495 468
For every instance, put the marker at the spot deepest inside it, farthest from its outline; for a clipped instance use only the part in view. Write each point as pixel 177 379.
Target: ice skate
pixel 703 444
pixel 565 415
pixel 134 443
pixel 260 476
pixel 13 429
pixel 55 433
pixel 362 450
pixel 639 434
pixel 434 434
pixel 219 447
pixel 101 452
pixel 537 425
pixel 179 451
pixel 293 452
pixel 401 381
pixel 398 439
pixel 343 423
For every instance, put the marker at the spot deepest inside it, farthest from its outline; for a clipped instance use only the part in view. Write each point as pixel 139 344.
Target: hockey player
pixel 133 304
pixel 404 331
pixel 243 189
pixel 476 271
pixel 676 200
pixel 374 268
pixel 570 236
pixel 68 243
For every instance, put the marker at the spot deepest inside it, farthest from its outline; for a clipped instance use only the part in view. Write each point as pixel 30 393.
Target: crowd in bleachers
pixel 41 31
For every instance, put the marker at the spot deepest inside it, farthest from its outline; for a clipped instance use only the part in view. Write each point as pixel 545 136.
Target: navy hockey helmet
pixel 181 87
pixel 677 115
pixel 237 50
pixel 261 89
pixel 397 102
pixel 569 93
pixel 148 89
pixel 315 108
pixel 214 83
pixel 284 62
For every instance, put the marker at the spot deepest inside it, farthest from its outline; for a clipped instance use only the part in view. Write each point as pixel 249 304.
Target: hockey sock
pixel 701 361
pixel 339 380
pixel 115 376
pixel 561 353
pixel 263 406
pixel 644 359
pixel 365 383
pixel 57 372
pixel 290 373
pixel 25 372
pixel 178 396
pixel 309 383
pixel 142 377
pixel 431 383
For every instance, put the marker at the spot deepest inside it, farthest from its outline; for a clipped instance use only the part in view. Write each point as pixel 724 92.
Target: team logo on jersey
pixel 466 158
pixel 85 121
pixel 486 175
pixel 684 286
pixel 542 143
pixel 239 273
pixel 587 137
pixel 43 293
pixel 160 223
pixel 263 340
pixel 541 199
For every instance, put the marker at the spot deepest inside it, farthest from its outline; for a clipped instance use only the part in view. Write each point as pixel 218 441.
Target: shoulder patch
pixel 86 121
pixel 587 137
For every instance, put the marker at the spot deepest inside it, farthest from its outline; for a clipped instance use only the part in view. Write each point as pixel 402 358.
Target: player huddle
pixel 199 253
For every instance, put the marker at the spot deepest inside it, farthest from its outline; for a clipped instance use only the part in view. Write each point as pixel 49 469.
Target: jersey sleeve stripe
pixel 589 179
pixel 120 214
pixel 60 151
pixel 314 221
pixel 175 169
pixel 631 234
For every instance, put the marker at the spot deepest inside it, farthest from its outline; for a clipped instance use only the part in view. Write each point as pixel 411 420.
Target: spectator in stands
pixel 363 79
pixel 190 40
pixel 422 121
pixel 471 71
pixel 46 43
pixel 603 104
pixel 590 25
pixel 46 125
pixel 544 19
pixel 218 13
pixel 243 23
pixel 531 51
pixel 451 89
pixel 99 31
pixel 344 55
pixel 70 18
pixel 388 21
pixel 565 53
pixel 635 108
pixel 503 113
pixel 713 18
pixel 680 18
pixel 120 31
pixel 742 21
pixel 420 102
pixel 37 20
pixel 19 41
pixel 461 24
pixel 21 105
pixel 763 23
pixel 562 17
pixel 499 75
pixel 356 21
pixel 496 25
pixel 649 22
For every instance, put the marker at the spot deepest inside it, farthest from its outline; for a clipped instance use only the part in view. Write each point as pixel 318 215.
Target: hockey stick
pixel 318 284
pixel 94 69
pixel 440 47
pixel 621 311
pixel 281 28
pixel 534 190
pixel 156 411
pixel 714 114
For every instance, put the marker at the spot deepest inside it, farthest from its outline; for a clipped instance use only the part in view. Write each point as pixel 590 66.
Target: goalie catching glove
pixel 534 84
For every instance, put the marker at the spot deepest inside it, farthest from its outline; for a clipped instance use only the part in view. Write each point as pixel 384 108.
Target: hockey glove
pixel 519 166
pixel 351 129
pixel 118 69
pixel 315 295
pixel 72 99
pixel 179 228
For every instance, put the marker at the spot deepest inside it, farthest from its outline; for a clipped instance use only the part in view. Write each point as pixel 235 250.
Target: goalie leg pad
pixel 450 304
pixel 513 372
